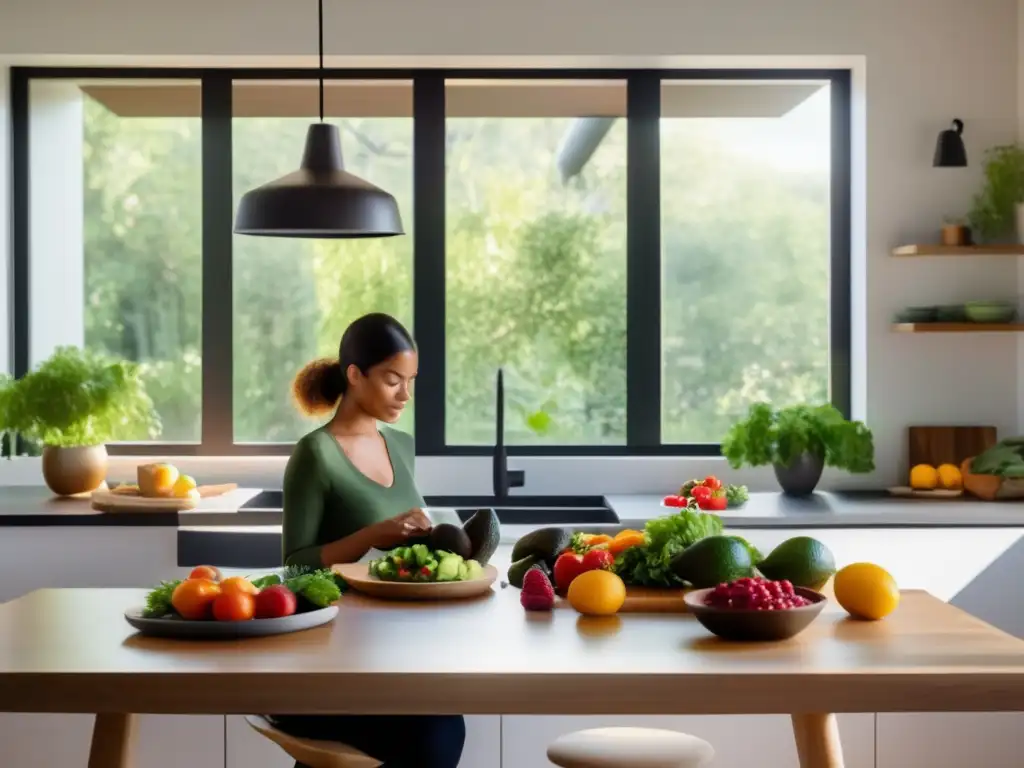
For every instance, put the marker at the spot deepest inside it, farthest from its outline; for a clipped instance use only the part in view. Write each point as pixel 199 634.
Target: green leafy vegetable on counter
pixel 735 495
pixel 158 601
pixel 1005 459
pixel 649 565
pixel 769 436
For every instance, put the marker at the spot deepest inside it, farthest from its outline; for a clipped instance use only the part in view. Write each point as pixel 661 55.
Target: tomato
pixel 234 606
pixel 674 501
pixel 238 584
pixel 712 482
pixel 701 492
pixel 274 602
pixel 193 598
pixel 567 567
pixel 205 572
pixel 716 502
pixel 598 560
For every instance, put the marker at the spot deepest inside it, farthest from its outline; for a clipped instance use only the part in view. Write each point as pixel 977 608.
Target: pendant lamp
pixel 321 199
pixel 949 149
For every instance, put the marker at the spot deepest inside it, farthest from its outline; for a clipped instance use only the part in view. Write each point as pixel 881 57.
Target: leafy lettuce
pixel 648 565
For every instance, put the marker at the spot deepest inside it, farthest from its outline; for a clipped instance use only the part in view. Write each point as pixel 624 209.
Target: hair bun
pixel 318 387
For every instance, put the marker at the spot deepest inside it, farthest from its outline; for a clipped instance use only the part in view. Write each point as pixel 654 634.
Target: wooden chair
pixel 629 748
pixel 312 752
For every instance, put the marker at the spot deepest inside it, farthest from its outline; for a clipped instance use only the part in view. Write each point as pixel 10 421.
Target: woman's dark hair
pixel 367 342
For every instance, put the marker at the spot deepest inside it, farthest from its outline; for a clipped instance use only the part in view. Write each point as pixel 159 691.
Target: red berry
pixel 598 560
pixel 537 593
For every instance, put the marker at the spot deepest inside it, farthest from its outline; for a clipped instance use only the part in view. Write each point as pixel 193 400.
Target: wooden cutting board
pixel 125 500
pixel 654 600
pixel 947 445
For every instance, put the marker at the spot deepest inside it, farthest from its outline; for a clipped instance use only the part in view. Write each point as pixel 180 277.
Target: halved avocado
pixel 484 533
pixel 451 538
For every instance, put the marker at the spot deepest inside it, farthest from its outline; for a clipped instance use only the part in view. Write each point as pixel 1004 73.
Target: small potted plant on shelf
pixel 955 232
pixel 799 441
pixel 73 404
pixel 997 213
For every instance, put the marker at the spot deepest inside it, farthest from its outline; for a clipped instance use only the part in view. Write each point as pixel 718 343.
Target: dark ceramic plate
pixel 229 630
pixel 750 626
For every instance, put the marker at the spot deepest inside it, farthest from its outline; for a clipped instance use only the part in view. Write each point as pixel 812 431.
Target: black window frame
pixel 643 246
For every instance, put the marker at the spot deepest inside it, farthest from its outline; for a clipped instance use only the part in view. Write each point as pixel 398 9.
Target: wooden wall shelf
pixel 959 250
pixel 958 327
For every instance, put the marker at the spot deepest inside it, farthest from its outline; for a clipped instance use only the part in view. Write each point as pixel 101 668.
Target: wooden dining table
pixel 70 650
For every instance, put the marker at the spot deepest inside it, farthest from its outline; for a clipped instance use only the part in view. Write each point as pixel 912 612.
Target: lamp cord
pixel 320 25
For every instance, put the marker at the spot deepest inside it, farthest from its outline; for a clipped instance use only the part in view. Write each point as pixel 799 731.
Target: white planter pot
pixel 71 471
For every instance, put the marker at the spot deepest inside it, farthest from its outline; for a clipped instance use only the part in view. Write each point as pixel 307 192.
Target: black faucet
pixel 503 478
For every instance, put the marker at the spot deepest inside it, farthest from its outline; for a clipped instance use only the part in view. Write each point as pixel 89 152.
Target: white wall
pixel 919 63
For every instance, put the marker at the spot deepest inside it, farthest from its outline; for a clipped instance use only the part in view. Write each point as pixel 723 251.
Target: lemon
pixel 597 593
pixel 866 591
pixel 183 486
pixel 950 477
pixel 924 477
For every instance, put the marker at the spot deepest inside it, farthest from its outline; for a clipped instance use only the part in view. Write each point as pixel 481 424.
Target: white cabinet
pixel 247 749
pixel 951 740
pixel 62 741
pixel 765 741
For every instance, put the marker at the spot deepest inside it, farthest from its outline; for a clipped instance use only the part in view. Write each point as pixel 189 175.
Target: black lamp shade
pixel 949 149
pixel 320 200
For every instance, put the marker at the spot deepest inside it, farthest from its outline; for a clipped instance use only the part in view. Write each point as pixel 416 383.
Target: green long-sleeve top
pixel 326 498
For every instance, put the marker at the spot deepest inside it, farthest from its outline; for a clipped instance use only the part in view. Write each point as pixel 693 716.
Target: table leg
pixel 817 741
pixel 113 740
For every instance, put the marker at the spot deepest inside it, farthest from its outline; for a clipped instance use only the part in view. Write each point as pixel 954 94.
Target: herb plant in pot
pixel 799 442
pixel 997 213
pixel 73 404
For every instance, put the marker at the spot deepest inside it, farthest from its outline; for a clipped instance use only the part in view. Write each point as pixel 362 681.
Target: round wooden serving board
pixel 358 577
pixel 907 492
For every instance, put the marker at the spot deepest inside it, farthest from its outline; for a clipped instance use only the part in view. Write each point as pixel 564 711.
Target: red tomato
pixel 716 502
pixel 274 602
pixel 598 560
pixel 674 501
pixel 712 482
pixel 567 567
pixel 701 492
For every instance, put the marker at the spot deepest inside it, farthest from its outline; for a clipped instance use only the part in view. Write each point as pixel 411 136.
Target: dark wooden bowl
pixel 745 625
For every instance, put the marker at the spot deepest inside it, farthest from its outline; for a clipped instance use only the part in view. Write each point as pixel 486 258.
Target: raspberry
pixel 756 594
pixel 537 593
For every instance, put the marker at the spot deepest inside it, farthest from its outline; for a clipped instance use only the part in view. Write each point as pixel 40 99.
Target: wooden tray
pixel 228 630
pixel 358 577
pixel 128 499
pixel 939 494
pixel 654 600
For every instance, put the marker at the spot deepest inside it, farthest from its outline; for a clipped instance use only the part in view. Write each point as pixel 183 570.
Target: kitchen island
pixel 70 650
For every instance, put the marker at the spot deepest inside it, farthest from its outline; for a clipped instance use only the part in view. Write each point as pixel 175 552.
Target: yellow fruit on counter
pixel 924 477
pixel 182 486
pixel 950 477
pixel 597 593
pixel 866 591
pixel 157 479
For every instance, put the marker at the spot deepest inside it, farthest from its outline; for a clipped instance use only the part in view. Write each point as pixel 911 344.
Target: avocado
pixel 517 571
pixel 713 560
pixel 484 533
pixel 451 538
pixel 804 561
pixel 546 543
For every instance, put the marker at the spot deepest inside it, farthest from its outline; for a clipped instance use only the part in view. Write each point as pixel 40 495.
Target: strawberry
pixel 567 567
pixel 537 593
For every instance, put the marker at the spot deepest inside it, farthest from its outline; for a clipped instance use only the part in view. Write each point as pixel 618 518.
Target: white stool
pixel 312 752
pixel 629 748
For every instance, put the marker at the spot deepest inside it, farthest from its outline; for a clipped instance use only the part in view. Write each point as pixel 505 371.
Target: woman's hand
pixel 388 534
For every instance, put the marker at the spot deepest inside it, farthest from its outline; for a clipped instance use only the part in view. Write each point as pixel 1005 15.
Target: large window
pixel 642 253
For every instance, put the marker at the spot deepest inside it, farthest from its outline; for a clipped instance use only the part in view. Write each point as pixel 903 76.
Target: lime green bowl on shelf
pixel 990 312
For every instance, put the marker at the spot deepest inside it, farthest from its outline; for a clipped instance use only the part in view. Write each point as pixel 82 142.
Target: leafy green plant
pixel 769 436
pixel 79 398
pixel 993 213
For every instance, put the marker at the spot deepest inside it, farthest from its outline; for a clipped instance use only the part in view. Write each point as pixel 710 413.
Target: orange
pixel 950 477
pixel 924 477
pixel 238 584
pixel 234 606
pixel 597 593
pixel 205 572
pixel 866 591
pixel 183 486
pixel 193 598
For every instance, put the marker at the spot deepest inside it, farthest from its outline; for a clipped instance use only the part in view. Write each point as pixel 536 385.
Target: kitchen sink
pixel 512 510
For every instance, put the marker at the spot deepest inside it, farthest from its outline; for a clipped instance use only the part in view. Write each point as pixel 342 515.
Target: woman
pixel 349 488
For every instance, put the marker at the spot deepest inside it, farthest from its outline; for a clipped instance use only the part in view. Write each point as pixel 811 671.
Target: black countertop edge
pixel 90 519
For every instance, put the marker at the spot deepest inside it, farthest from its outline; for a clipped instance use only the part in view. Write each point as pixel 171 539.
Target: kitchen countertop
pixel 36 506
